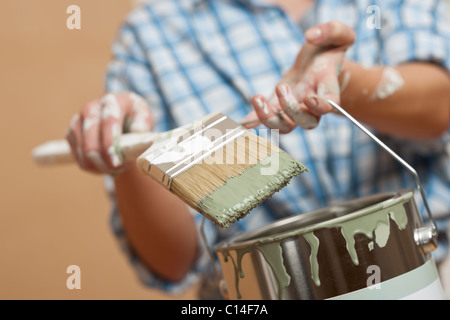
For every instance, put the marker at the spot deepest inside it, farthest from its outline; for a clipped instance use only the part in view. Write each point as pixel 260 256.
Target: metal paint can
pixel 375 247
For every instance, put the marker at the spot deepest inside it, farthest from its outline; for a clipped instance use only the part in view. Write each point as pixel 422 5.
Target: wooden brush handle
pixel 131 144
pixel 58 151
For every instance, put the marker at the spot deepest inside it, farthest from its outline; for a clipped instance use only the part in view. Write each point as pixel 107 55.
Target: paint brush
pixel 214 165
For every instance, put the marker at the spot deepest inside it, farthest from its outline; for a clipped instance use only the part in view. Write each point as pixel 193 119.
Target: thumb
pixel 333 33
pixel 250 121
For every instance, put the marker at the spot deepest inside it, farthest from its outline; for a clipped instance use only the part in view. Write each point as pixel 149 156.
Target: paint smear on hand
pixel 111 107
pixel 262 105
pixel 293 110
pixel 114 151
pixel 96 159
pixel 391 81
pixel 93 117
pixel 277 123
pixel 141 120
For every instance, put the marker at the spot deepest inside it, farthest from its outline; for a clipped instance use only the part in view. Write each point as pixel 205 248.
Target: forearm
pixel 416 105
pixel 158 225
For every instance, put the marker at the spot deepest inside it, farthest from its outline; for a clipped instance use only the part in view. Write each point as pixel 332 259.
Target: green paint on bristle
pixel 250 188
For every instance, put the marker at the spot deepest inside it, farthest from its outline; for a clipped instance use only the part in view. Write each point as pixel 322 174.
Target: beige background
pixel 51 218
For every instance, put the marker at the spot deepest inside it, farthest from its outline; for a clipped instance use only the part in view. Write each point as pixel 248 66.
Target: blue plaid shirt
pixel 189 58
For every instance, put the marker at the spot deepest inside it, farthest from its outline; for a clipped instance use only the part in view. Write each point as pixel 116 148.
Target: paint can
pixel 375 247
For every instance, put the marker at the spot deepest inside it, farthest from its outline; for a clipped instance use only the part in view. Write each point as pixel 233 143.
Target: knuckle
pixel 74 121
pixel 110 107
pixel 86 109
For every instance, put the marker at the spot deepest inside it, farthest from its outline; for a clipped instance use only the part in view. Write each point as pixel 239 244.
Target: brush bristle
pixel 229 183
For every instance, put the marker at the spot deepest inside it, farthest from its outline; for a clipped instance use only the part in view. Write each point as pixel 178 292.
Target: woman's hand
pixel 93 134
pixel 300 98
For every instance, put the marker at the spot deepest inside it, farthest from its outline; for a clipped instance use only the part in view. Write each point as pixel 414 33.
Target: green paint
pixel 339 68
pixel 237 265
pixel 374 225
pixel 400 218
pixel 373 222
pixel 314 263
pixel 239 195
pixel 333 87
pixel 273 254
pixel 117 149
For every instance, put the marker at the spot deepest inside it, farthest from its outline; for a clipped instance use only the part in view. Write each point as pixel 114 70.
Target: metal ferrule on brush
pixel 225 131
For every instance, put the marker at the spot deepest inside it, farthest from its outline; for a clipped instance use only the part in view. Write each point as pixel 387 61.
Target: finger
pixel 295 110
pixel 332 33
pixel 261 107
pixel 251 120
pixel 136 112
pixel 322 103
pixel 74 136
pixel 281 120
pixel 327 89
pixel 140 115
pixel 91 137
pixel 269 114
pixel 112 117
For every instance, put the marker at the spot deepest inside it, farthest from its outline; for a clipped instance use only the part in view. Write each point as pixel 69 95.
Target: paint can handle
pixel 426 240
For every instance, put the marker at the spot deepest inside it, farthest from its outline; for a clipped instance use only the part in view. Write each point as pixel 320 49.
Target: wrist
pixel 358 83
